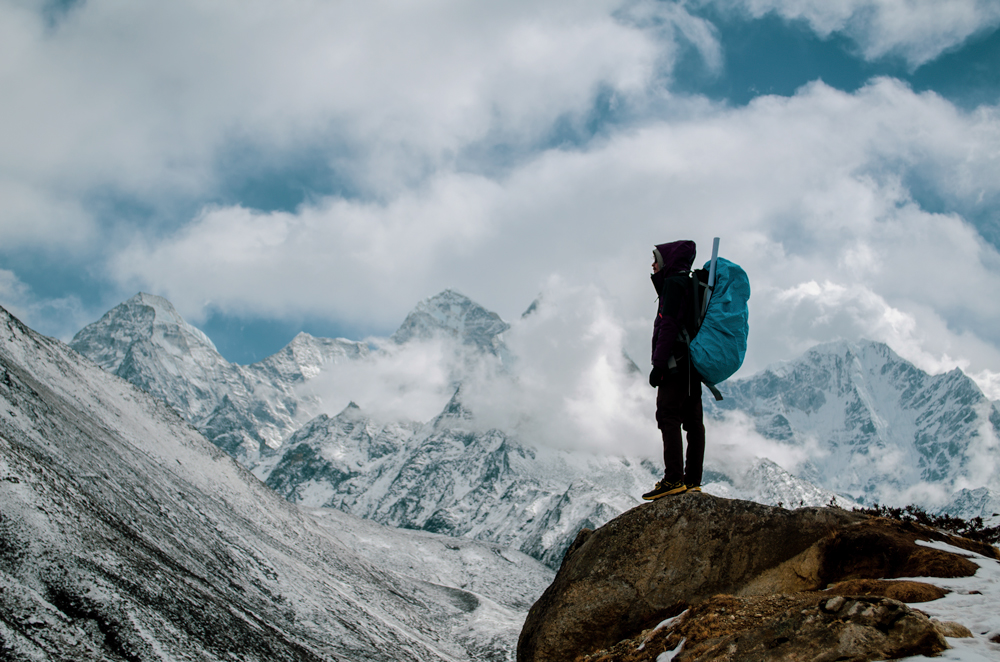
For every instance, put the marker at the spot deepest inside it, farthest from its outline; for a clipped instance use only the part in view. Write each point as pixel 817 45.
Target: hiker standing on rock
pixel 678 384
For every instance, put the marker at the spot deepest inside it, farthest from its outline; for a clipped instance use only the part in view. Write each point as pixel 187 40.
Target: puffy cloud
pixel 30 217
pixel 916 30
pixel 352 259
pixel 142 97
pixel 571 384
pixel 410 382
pixel 735 444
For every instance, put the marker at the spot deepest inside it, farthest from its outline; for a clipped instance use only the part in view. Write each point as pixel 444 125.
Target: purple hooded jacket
pixel 671 283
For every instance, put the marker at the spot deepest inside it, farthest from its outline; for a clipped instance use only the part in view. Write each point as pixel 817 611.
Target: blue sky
pixel 275 167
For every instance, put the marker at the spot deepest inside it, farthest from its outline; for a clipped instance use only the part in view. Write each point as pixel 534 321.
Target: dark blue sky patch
pixel 268 180
pixel 53 276
pixel 771 55
pixel 968 76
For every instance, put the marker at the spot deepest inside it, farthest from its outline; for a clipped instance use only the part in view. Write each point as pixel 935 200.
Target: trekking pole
pixel 711 276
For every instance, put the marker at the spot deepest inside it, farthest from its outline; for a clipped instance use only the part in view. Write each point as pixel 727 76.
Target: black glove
pixel 655 376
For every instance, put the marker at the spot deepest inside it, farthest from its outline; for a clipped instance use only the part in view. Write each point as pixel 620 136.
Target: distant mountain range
pixel 868 426
pixel 125 535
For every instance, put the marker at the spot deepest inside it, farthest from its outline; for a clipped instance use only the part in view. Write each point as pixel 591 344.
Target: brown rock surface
pixel 657 559
pixel 802 627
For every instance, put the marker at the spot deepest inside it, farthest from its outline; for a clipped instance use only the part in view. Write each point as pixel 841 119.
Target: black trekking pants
pixel 678 405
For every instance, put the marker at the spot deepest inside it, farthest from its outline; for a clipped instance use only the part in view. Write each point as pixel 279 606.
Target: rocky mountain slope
pixel 698 578
pixel 125 535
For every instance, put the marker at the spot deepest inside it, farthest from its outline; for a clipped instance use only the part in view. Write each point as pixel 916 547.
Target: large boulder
pixel 657 559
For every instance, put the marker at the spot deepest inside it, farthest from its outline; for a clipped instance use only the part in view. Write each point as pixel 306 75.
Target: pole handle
pixel 715 257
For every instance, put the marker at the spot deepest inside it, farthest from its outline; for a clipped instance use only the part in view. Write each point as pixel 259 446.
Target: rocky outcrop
pixel 803 626
pixel 658 560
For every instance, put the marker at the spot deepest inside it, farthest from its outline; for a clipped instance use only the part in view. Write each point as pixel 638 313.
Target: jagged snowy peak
pixel 145 341
pixel 125 535
pixel 454 315
pixel 448 477
pixel 110 340
pixel 242 409
pixel 306 356
pixel 881 425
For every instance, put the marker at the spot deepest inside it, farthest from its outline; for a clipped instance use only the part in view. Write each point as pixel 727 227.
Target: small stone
pixel 951 629
pixel 833 605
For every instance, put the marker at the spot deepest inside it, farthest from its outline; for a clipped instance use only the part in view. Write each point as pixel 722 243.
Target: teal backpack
pixel 719 344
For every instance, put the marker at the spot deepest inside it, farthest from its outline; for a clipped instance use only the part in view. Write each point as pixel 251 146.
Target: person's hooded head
pixel 673 258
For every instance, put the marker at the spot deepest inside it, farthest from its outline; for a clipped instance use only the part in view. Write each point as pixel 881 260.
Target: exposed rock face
pixel 837 628
pixel 656 560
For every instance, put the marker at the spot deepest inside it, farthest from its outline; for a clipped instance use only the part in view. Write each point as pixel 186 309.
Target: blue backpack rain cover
pixel 718 349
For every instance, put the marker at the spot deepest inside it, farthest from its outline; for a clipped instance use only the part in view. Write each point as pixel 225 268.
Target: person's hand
pixel 655 377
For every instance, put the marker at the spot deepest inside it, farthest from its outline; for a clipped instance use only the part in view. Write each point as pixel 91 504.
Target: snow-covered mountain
pixel 453 315
pixel 241 409
pixel 878 428
pixel 449 477
pixel 125 535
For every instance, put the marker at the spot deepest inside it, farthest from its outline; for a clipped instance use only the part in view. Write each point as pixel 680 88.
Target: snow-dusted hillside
pixel 125 535
pixel 878 428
